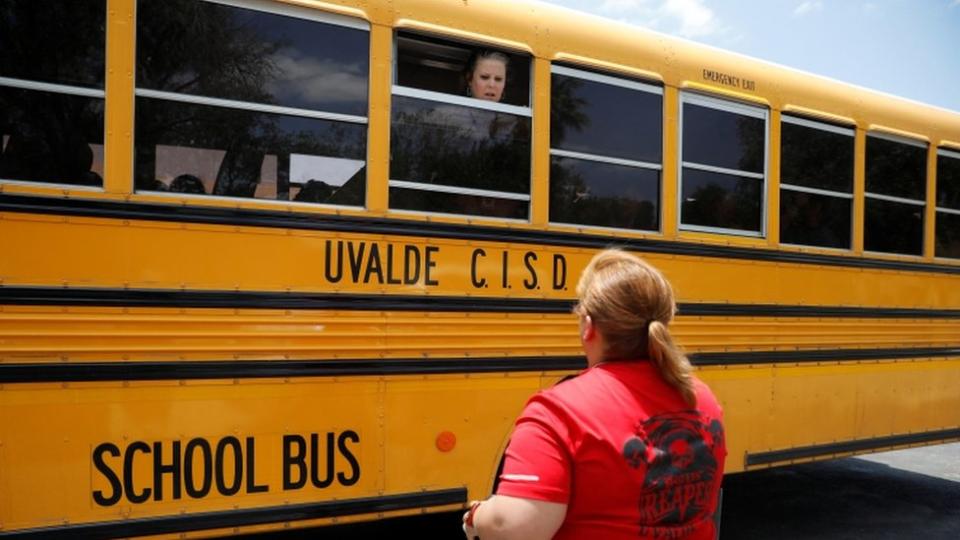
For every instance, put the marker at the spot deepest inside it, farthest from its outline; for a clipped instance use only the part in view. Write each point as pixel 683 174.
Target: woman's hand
pixel 468 529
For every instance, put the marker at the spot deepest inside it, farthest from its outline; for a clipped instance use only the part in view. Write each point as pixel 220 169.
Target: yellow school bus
pixel 267 264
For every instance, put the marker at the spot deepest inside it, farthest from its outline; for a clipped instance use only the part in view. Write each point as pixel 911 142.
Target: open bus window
pixel 51 91
pixel 251 103
pixel 816 183
pixel 948 204
pixel 438 65
pixel 895 195
pixel 605 150
pixel 723 165
pixel 455 153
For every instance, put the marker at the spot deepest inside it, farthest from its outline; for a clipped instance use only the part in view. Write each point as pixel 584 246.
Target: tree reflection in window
pixel 294 125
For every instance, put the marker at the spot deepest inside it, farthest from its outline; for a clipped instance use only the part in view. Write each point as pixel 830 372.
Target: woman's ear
pixel 587 330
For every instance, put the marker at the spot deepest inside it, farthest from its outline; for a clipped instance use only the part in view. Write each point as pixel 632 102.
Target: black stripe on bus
pixel 395 226
pixel 181 370
pixel 859 445
pixel 241 518
pixel 103 297
pixel 824 355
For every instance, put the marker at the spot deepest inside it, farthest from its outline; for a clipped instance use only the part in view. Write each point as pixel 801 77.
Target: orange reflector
pixel 446 441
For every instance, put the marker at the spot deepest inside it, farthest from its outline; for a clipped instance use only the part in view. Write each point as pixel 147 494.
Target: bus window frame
pixel 951 154
pixel 630 84
pixel 892 198
pixel 461 101
pixel 832 128
pixel 286 10
pixel 734 107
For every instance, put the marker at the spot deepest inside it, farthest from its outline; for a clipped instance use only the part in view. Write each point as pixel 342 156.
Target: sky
pixel 907 48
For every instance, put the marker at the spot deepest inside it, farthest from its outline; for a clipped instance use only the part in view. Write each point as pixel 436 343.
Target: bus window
pixel 816 183
pixel 457 148
pixel 895 195
pixel 51 91
pixel 948 204
pixel 241 102
pixel 606 150
pixel 723 166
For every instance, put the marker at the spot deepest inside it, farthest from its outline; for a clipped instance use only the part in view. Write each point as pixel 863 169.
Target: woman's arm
pixel 502 517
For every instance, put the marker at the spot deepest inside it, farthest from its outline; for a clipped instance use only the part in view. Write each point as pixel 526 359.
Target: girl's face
pixel 488 79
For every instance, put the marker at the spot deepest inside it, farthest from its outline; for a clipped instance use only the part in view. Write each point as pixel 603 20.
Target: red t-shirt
pixel 624 451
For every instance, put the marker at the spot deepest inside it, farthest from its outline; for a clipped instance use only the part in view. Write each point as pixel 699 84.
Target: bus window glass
pixel 896 169
pixel 606 137
pixel 239 102
pixel 596 117
pixel 603 194
pixel 948 204
pixel 948 179
pixel 948 235
pixel 51 91
pixel 893 227
pixel 723 166
pixel 816 155
pixel 816 183
pixel 722 138
pixel 895 195
pixel 439 65
pixel 53 41
pixel 219 51
pixel 721 201
pixel 451 145
pixel 201 149
pixel 457 203
pixel 451 153
pixel 812 219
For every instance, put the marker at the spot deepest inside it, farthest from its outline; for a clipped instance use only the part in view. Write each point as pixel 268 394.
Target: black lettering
pixel 348 455
pixel 356 260
pixel 328 263
pixel 373 265
pixel 132 495
pixel 107 472
pixel 160 469
pixel 291 459
pixel 206 467
pixel 503 276
pixel 390 279
pixel 532 283
pixel 429 264
pixel 477 282
pixel 314 457
pixel 219 460
pixel 559 272
pixel 252 486
pixel 411 265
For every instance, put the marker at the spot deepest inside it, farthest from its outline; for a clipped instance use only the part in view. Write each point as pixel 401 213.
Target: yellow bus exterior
pixel 174 364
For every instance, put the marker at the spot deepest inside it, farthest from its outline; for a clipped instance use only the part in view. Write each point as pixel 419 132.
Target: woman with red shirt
pixel 632 447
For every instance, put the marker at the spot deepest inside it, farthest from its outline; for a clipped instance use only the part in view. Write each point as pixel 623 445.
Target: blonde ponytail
pixel 670 361
pixel 631 304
